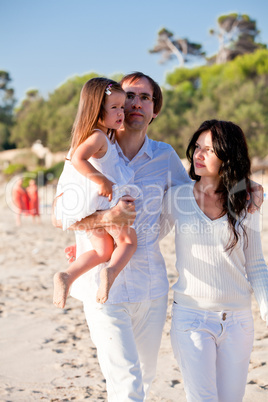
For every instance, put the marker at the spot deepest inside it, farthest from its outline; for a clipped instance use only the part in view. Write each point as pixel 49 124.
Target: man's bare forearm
pixel 99 219
pixel 121 215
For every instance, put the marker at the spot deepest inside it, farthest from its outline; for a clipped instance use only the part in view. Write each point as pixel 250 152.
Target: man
pixel 127 329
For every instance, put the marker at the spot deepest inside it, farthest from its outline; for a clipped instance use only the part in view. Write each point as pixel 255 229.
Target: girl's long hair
pixel 91 108
pixel 229 144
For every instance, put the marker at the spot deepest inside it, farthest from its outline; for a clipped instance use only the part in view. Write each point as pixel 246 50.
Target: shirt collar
pixel 145 149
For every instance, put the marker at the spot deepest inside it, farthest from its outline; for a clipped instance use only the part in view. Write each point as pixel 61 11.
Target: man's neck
pixel 130 142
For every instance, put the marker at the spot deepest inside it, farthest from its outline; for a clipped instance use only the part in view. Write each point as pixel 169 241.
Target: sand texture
pixel 46 354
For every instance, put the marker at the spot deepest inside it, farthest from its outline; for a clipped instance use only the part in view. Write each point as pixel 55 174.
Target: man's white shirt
pixel 157 167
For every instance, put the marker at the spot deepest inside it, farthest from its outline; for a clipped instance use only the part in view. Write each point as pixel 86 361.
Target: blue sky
pixel 45 42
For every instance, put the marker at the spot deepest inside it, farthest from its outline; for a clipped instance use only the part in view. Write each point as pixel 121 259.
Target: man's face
pixel 139 106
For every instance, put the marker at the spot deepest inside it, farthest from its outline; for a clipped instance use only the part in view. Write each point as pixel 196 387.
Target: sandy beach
pixel 46 354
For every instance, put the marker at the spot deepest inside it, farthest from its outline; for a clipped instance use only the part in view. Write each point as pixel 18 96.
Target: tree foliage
pixel 60 112
pixel 7 102
pixel 171 47
pixel 48 120
pixel 236 91
pixel 236 34
pixel 30 123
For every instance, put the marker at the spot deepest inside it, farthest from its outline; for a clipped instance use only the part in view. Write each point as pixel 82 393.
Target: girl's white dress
pixel 81 197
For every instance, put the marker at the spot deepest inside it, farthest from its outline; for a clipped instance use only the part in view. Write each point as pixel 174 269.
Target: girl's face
pixel 206 163
pixel 114 111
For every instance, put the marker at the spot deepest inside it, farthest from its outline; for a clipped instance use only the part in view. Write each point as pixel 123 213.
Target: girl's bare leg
pixel 126 241
pixel 104 246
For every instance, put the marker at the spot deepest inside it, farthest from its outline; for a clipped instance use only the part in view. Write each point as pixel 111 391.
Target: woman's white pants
pixel 127 337
pixel 213 352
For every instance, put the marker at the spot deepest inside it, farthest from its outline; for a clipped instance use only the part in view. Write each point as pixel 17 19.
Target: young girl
pixel 220 264
pixel 88 184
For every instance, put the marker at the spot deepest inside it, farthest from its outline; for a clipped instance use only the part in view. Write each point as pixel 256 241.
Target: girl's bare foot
pixel 107 278
pixel 62 284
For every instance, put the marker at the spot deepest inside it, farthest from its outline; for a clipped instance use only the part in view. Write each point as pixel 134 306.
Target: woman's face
pixel 206 163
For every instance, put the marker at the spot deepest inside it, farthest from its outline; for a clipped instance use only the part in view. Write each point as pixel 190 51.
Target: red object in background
pixel 33 199
pixel 21 200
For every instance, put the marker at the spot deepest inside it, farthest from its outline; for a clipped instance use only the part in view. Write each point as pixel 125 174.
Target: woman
pixel 220 263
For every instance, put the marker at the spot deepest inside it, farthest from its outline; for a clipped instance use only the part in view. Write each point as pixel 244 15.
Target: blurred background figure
pixel 21 200
pixel 33 200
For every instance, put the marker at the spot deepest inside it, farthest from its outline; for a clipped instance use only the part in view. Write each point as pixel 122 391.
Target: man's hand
pixel 255 197
pixel 122 214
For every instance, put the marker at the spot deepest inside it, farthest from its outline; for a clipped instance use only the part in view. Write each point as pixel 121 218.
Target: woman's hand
pixel 255 196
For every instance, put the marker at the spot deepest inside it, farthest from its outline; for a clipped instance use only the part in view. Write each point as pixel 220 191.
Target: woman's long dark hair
pixel 229 144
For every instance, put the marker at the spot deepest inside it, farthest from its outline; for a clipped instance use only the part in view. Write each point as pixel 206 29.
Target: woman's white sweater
pixel 211 278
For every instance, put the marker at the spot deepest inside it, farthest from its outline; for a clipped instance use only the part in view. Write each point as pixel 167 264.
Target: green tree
pixel 170 47
pixel 7 102
pixel 29 118
pixel 236 91
pixel 60 112
pixel 236 34
pixel 168 125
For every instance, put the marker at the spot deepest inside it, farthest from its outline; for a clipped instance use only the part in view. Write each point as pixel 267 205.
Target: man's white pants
pixel 213 351
pixel 127 337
